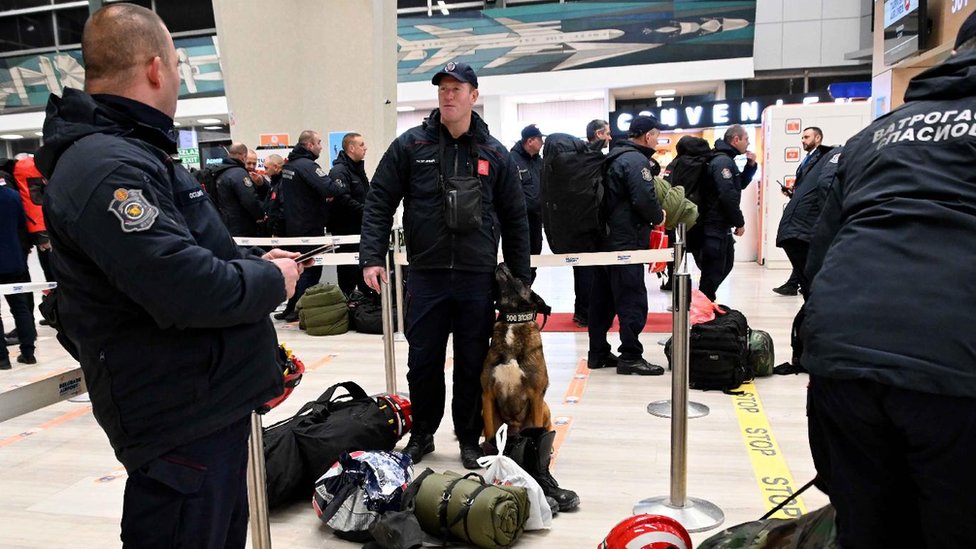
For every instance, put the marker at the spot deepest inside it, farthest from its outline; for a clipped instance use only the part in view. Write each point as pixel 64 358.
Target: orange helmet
pixel 647 532
pixel 292 369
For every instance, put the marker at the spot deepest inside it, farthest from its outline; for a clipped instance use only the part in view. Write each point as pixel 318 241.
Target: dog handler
pixel 461 192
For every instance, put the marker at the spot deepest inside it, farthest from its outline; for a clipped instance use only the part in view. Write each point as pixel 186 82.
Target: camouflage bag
pixel 761 355
pixel 814 530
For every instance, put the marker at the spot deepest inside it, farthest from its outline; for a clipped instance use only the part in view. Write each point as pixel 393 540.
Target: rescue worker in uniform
pixel 723 217
pixel 239 205
pixel 452 251
pixel 308 192
pixel 167 316
pixel 525 154
pixel 892 360
pixel 619 290
pixel 349 169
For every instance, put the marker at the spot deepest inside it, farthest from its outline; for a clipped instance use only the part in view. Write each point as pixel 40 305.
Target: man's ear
pixel 154 71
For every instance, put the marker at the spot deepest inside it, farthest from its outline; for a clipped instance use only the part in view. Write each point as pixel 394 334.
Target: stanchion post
pixel 257 488
pixel 389 351
pixel 398 278
pixel 694 514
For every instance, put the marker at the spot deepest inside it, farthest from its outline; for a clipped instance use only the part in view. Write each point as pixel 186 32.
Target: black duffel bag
pixel 719 352
pixel 300 449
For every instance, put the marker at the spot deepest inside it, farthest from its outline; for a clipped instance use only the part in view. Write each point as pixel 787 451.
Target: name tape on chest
pixel 132 209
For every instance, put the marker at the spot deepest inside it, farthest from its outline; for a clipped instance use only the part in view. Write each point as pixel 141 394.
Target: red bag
pixel 659 241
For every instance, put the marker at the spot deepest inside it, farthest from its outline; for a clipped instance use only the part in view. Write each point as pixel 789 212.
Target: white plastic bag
pixel 503 471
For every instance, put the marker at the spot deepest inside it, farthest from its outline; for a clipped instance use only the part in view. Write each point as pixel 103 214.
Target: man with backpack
pixel 525 154
pixel 722 216
pixel 631 210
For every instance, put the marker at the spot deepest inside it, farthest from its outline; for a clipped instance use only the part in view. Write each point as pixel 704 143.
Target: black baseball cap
pixel 642 124
pixel 531 131
pixel 967 31
pixel 459 71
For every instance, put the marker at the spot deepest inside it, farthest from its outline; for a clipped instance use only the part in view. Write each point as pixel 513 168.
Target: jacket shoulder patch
pixel 132 209
pixel 726 173
pixel 646 174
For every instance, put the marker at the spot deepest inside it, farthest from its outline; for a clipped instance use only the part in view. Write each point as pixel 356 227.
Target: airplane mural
pixel 555 37
pixel 26 82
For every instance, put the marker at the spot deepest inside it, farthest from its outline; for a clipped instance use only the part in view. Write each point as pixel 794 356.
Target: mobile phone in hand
pixel 312 253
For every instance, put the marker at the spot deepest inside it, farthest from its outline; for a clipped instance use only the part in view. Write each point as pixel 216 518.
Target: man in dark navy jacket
pixel 889 327
pixel 346 217
pixel 13 269
pixel 723 216
pixel 452 257
pixel 240 206
pixel 619 290
pixel 169 319
pixel 525 154
pixel 308 192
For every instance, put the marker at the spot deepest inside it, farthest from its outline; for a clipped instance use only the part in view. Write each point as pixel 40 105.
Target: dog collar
pixel 518 317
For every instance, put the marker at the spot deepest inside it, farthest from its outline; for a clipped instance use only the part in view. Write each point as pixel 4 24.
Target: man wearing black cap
pixel 632 209
pixel 892 395
pixel 525 154
pixel 721 213
pixel 461 192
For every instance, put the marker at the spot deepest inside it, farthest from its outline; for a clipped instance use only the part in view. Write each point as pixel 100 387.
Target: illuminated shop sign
pixel 747 110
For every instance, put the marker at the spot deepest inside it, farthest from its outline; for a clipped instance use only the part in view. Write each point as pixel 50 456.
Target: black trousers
pixel 309 277
pixel 618 290
pixel 898 463
pixel 350 277
pixel 193 496
pixel 438 303
pixel 714 258
pixel 582 286
pixel 22 309
pixel 535 238
pixel 797 251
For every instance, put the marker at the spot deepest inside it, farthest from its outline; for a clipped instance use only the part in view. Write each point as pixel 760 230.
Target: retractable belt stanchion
pixel 257 488
pixel 694 514
pixel 398 288
pixel 679 328
pixel 389 351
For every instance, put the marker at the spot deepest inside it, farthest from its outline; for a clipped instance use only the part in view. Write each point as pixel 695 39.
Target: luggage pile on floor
pixel 322 311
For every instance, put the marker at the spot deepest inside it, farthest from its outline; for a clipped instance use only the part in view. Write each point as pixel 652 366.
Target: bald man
pixel 239 204
pixel 168 318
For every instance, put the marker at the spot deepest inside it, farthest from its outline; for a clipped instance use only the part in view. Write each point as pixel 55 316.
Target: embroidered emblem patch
pixel 726 173
pixel 320 172
pixel 135 213
pixel 482 167
pixel 646 174
pixel 248 182
pixel 836 158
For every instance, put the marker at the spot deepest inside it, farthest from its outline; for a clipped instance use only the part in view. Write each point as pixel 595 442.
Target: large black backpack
pixel 720 352
pixel 690 169
pixel 572 194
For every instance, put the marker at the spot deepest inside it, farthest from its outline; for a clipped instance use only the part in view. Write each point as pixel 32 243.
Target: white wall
pixel 810 33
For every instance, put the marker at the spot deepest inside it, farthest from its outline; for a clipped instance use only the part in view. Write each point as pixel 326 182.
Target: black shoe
pixel 11 338
pixel 469 455
pixel 281 315
pixel 289 317
pixel 553 505
pixel 44 322
pixel 581 321
pixel 640 367
pixel 419 446
pixel 666 285
pixel 787 289
pixel 5 363
pixel 26 359
pixel 595 363
pixel 788 368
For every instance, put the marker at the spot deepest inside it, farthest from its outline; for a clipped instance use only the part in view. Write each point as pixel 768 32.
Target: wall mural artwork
pixel 26 82
pixel 576 35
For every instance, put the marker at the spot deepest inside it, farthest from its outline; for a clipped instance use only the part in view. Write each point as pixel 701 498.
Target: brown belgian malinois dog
pixel 514 378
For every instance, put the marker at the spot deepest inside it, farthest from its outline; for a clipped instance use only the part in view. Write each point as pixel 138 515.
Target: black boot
pixel 533 455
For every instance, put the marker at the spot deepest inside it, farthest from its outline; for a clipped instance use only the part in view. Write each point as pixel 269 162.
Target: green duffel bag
pixel 814 530
pixel 471 509
pixel 761 356
pixel 320 295
pixel 327 320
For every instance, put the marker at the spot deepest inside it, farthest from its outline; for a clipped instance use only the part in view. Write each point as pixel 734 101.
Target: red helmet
pixel 402 412
pixel 647 532
pixel 292 368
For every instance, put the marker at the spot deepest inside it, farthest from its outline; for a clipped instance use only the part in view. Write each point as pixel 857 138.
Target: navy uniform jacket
pixel 346 216
pixel 308 191
pixel 409 171
pixel 802 211
pixel 240 207
pixel 632 206
pixel 723 211
pixel 893 301
pixel 530 175
pixel 13 222
pixel 169 317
